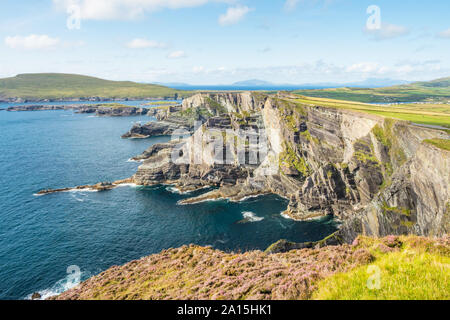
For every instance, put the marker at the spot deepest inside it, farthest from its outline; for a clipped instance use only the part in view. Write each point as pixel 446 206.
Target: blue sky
pixel 223 41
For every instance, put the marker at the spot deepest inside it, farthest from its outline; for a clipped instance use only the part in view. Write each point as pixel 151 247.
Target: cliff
pixel 377 175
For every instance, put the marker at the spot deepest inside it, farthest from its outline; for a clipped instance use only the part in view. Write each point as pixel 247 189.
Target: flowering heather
pixel 193 272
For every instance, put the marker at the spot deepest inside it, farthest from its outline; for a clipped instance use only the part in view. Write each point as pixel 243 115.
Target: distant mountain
pixel 262 84
pixel 253 83
pixel 58 86
pixel 368 83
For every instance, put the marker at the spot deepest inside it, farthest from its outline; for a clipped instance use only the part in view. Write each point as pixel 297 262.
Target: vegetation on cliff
pixel 411 268
pixel 440 143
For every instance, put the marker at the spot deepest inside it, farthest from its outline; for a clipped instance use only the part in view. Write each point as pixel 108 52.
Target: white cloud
pixel 198 69
pixel 387 31
pixel 125 9
pixel 144 43
pixel 445 34
pixel 31 42
pixel 290 5
pixel 177 55
pixel 234 15
pixel 364 67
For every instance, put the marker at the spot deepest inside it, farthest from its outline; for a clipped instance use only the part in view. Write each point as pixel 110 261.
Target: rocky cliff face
pixel 376 175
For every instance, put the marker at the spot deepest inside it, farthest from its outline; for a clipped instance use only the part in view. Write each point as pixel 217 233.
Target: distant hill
pixel 439 83
pixel 425 91
pixel 58 86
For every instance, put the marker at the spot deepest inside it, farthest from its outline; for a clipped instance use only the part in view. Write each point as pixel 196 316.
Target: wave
pixel 178 191
pixel 131 185
pixel 138 161
pixel 59 287
pixel 251 217
pixel 73 190
pixel 76 198
pixel 284 215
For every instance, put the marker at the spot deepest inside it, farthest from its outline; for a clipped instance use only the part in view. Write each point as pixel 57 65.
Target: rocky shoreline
pixel 110 110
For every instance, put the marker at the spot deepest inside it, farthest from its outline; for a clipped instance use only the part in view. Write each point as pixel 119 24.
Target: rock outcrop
pixel 374 174
pixel 112 111
pixel 102 186
pixel 154 129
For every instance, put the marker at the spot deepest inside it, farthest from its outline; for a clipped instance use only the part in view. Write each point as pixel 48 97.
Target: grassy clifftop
pixel 435 114
pixel 408 267
pixel 431 91
pixel 56 86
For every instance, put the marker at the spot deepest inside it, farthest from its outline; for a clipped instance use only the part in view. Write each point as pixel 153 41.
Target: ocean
pixel 44 238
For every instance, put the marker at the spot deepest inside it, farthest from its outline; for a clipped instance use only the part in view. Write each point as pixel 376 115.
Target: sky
pixel 207 42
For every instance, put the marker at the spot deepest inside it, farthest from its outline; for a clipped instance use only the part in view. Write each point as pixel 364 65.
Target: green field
pixel 54 86
pixel 427 114
pixel 432 91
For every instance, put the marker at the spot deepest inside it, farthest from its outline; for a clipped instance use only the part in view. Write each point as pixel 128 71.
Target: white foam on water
pixel 175 190
pixel 251 217
pixel 178 191
pixel 131 185
pixel 250 197
pixel 59 287
pixel 68 191
pixel 284 215
pixel 138 161
pixel 76 198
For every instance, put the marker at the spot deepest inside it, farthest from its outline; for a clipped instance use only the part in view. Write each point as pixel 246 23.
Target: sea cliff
pixel 377 175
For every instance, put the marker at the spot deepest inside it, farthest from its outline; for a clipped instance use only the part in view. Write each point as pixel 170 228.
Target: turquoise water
pixel 40 237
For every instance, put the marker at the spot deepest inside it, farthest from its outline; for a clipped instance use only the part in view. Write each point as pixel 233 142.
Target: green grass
pixel 437 90
pixel 408 273
pixel 440 143
pixel 55 86
pixel 404 276
pixel 427 114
